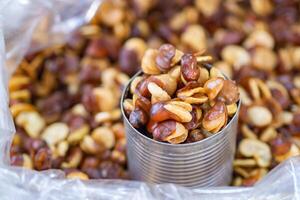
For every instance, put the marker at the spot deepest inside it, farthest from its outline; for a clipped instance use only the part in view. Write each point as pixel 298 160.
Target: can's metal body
pixel 200 164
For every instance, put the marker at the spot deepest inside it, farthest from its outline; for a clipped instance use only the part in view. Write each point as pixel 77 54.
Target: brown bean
pixel 229 93
pixel 163 130
pixel 143 103
pixel 129 61
pixel 282 99
pixel 170 110
pixel 195 136
pixel 215 118
pixel 281 145
pixel 196 119
pixel 138 118
pixel 164 57
pixel 189 70
pixel 42 159
pixel 213 87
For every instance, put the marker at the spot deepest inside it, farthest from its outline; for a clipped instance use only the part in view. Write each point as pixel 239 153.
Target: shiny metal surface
pixel 200 164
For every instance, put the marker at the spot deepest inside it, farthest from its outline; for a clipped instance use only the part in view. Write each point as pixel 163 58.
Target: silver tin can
pixel 200 164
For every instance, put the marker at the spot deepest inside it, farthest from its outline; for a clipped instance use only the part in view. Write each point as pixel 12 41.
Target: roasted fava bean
pixel 55 133
pixel 281 145
pixel 166 81
pixel 90 146
pixel 213 87
pixel 262 7
pixel 189 70
pixel 192 93
pixel 105 136
pixel 157 93
pixel 229 93
pixel 190 89
pixel 32 122
pixel 163 130
pixel 128 106
pixel 196 119
pixel 264 59
pixel 77 175
pixel 215 118
pixel 171 110
pixel 42 159
pixel 179 135
pixel 164 58
pixel 131 54
pixel 259 38
pixel 195 136
pixel 170 131
pixel 194 37
pixel 149 65
pixel 259 116
pixel 138 118
pixel 257 149
pixel 236 56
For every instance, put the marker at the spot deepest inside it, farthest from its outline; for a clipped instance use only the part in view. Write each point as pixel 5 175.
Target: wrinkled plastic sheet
pixel 31 25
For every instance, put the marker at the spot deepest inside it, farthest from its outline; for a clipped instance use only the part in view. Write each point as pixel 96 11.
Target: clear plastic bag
pixel 38 24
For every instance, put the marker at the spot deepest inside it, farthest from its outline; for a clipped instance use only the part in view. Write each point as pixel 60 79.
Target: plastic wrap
pixel 31 25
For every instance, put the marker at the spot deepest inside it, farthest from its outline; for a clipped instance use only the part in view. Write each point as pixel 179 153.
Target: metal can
pixel 200 164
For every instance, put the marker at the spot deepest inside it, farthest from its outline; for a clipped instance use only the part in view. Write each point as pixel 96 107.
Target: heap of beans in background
pixel 177 99
pixel 256 43
pixel 65 108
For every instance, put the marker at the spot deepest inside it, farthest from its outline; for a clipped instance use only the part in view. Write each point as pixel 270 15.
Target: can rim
pixel 124 93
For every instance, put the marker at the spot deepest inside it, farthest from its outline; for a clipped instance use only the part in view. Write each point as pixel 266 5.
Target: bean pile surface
pixel 65 99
